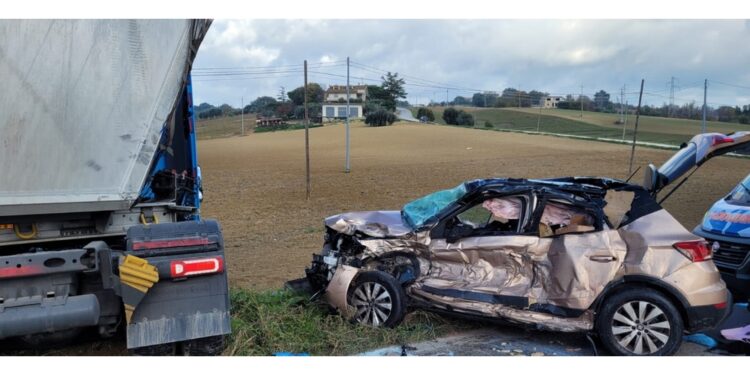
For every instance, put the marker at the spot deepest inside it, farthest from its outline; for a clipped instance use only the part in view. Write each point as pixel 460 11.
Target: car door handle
pixel 603 258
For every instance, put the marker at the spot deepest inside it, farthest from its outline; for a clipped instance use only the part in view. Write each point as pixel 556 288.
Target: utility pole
pixel 518 94
pixel 242 115
pixel 705 108
pixel 671 97
pixel 622 102
pixel 346 165
pixel 635 129
pixel 625 122
pixel 307 142
pixel 580 99
pixel 446 97
pixel 539 119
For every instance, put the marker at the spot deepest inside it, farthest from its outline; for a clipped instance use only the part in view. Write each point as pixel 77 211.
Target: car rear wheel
pixel 377 299
pixel 640 322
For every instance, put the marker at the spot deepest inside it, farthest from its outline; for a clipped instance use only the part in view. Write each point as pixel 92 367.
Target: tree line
pixel 289 105
pixel 601 102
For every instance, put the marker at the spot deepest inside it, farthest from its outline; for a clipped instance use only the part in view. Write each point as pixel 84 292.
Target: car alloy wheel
pixel 641 327
pixel 373 304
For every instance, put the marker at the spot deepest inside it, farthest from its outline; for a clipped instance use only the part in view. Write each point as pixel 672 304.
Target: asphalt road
pixel 513 341
pixel 404 114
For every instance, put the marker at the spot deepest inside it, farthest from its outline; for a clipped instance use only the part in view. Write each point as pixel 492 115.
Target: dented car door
pixel 481 254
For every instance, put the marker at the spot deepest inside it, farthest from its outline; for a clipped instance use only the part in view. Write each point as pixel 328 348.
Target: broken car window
pixel 494 215
pixel 561 218
pixel 418 212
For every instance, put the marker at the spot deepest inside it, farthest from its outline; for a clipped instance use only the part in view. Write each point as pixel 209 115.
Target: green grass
pixel 287 127
pixel 593 124
pixel 223 127
pixel 264 323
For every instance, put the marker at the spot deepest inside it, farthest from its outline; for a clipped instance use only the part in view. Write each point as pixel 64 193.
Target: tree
pixel 393 88
pixel 282 95
pixel 486 99
pixel 464 119
pixel 381 117
pixel 375 92
pixel 536 97
pixel 264 106
pixel 450 115
pixel 315 94
pixel 426 112
pixel 460 100
pixel 601 100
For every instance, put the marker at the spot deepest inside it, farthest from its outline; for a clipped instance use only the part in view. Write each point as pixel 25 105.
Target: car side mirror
pixel 458 231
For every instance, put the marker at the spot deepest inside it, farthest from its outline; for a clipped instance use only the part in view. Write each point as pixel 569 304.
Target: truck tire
pixel 168 349
pixel 206 346
pixel 377 299
pixel 639 322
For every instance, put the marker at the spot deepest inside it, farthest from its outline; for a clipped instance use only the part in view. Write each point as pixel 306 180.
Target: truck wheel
pixel 206 346
pixel 640 322
pixel 169 349
pixel 377 299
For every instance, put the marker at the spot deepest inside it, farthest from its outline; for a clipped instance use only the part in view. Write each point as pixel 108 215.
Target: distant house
pixel 552 101
pixel 334 106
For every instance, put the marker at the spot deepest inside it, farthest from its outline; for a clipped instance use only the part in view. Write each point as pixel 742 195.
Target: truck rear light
pixel 696 251
pixel 166 244
pixel 195 267
pixel 720 306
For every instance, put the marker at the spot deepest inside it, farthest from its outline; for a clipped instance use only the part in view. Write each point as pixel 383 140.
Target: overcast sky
pixel 470 55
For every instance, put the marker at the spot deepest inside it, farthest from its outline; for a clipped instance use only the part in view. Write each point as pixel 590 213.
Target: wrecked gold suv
pixel 565 254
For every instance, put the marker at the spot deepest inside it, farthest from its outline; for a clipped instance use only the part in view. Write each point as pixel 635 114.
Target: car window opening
pixel 561 218
pixel 494 215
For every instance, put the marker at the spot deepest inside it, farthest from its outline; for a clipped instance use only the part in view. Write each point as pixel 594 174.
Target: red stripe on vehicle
pixel 8 272
pixel 165 244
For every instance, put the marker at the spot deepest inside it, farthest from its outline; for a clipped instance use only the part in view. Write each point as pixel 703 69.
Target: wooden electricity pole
pixel 307 142
pixel 635 128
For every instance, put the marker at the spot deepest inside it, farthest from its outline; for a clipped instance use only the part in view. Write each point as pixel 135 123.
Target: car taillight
pixel 696 251
pixel 195 267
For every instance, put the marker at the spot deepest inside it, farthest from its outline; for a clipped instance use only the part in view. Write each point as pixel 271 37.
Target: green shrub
pixel 380 117
pixel 464 119
pixel 450 115
pixel 488 125
pixel 426 112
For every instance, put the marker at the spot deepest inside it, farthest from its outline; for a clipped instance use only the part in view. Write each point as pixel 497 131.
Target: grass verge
pixel 285 127
pixel 267 322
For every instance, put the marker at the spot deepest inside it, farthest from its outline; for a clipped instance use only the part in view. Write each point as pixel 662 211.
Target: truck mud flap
pixel 174 311
pixel 51 315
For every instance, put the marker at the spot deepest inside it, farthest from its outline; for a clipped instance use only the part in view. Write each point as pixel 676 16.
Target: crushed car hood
pixel 371 223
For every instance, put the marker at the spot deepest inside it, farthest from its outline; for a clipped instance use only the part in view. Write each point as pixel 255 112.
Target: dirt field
pixel 255 184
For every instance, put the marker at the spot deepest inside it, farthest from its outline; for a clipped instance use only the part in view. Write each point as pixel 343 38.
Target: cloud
pixel 557 56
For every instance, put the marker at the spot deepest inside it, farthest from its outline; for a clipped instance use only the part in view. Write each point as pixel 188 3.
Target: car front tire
pixel 640 322
pixel 377 299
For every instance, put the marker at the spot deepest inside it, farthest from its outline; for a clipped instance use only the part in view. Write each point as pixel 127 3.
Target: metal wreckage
pixel 573 254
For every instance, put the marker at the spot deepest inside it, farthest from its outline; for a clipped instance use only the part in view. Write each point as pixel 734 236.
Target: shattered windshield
pixel 418 212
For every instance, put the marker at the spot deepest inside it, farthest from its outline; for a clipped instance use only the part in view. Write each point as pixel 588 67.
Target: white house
pixel 336 93
pixel 552 101
pixel 334 106
pixel 334 111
